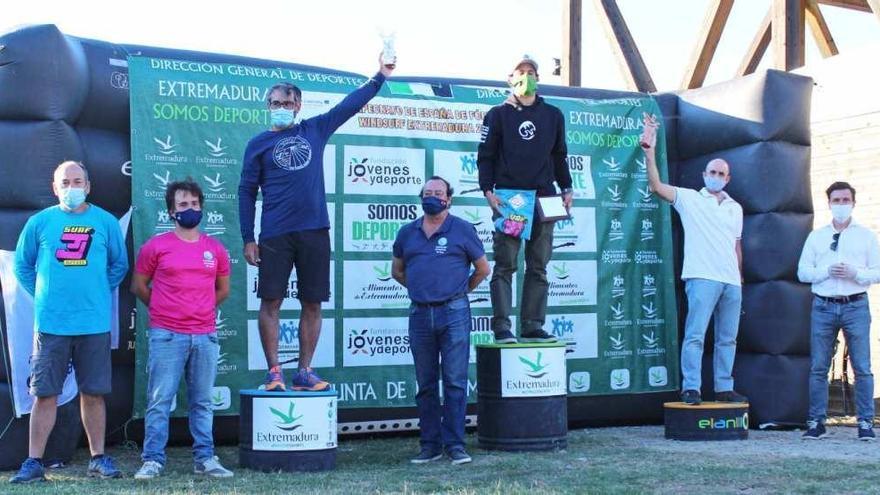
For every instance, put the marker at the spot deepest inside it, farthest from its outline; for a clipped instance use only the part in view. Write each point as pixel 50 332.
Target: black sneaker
pixel 504 337
pixel 691 397
pixel 731 396
pixel 816 431
pixel 425 456
pixel 459 456
pixel 866 431
pixel 537 335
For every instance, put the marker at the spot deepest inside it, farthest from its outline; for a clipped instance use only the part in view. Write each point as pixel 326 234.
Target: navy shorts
pixel 309 252
pixel 54 354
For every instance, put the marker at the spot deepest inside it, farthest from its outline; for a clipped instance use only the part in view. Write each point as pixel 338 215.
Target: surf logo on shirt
pixel 292 153
pixel 77 241
pixel 527 130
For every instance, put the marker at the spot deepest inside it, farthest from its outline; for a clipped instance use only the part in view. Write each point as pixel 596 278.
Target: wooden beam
pixel 757 48
pixel 571 42
pixel 624 46
pixel 848 4
pixel 819 28
pixel 875 6
pixel 788 34
pixel 713 26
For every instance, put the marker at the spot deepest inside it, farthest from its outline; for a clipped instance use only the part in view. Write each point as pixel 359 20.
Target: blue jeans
pixel 708 298
pixel 441 332
pixel 172 354
pixel 855 320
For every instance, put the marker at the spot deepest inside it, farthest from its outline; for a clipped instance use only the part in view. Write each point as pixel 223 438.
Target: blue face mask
pixel 282 117
pixel 188 219
pixel 72 197
pixel 713 184
pixel 432 205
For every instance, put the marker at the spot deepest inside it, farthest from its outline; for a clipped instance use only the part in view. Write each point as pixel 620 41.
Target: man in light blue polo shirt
pixel 712 269
pixel 432 259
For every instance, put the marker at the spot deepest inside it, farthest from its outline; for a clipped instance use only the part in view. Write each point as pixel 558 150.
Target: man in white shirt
pixel 712 269
pixel 841 260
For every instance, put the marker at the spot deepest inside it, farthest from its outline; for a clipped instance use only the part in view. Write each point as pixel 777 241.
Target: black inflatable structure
pixel 63 97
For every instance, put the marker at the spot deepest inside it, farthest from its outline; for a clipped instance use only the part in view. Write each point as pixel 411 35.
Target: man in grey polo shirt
pixel 712 269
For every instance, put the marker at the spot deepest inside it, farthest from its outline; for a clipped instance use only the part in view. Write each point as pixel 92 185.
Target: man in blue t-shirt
pixel 70 257
pixel 285 164
pixel 432 259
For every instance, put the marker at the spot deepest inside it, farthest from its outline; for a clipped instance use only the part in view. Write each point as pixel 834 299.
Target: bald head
pixel 718 165
pixel 63 167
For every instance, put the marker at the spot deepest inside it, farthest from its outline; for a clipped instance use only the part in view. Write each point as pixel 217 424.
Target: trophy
pixel 389 55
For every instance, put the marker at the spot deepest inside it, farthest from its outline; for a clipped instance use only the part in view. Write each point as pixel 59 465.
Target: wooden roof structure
pixel 782 30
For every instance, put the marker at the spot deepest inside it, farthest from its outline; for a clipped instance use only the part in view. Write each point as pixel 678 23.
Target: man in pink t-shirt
pixel 181 276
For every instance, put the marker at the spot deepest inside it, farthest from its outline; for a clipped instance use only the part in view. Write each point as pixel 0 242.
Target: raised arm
pixel 648 141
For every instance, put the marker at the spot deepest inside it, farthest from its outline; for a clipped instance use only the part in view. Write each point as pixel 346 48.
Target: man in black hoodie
pixel 522 146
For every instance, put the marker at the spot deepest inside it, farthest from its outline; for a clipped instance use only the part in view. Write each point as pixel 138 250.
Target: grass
pixel 606 460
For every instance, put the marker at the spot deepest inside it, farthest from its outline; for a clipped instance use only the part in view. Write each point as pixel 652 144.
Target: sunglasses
pixel 834 241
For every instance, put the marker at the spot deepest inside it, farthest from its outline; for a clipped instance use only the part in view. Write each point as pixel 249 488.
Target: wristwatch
pixel 567 190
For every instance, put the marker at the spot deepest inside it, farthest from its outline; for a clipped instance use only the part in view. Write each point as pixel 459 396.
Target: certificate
pixel 551 208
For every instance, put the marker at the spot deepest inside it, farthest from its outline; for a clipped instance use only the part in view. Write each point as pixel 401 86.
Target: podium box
pixel 521 397
pixel 287 431
pixel 708 421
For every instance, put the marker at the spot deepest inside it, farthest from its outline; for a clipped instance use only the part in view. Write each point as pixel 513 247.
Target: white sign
pixel 577 234
pixel 373 226
pixel 330 172
pixel 294 423
pixel 375 342
pixel 460 169
pixel 572 283
pixel 533 371
pixel 288 345
pixel 368 285
pixel 578 332
pixel 383 170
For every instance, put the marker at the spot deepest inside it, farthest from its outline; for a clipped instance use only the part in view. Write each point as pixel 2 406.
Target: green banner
pixel 612 297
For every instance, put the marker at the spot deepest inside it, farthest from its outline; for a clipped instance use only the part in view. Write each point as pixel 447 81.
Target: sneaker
pixel 459 456
pixel 31 470
pixel 537 335
pixel 691 397
pixel 103 467
pixel 866 431
pixel 426 455
pixel 504 337
pixel 731 396
pixel 307 380
pixel 212 467
pixel 815 430
pixel 274 380
pixel 148 471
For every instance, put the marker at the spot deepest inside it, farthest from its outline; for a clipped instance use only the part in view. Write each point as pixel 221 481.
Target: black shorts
pixel 309 252
pixel 53 355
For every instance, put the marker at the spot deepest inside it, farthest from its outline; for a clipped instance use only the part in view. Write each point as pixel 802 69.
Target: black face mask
pixel 188 219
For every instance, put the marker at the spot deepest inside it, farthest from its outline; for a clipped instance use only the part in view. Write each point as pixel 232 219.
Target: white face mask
pixel 841 212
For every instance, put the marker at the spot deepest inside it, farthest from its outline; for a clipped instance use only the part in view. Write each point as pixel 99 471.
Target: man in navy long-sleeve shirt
pixel 285 164
pixel 522 146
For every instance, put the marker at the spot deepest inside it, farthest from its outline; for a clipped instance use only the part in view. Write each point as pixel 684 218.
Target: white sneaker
pixel 212 467
pixel 150 470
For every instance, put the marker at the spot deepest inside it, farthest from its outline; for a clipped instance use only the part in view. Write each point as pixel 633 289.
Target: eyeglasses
pixel 288 105
pixel 834 241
